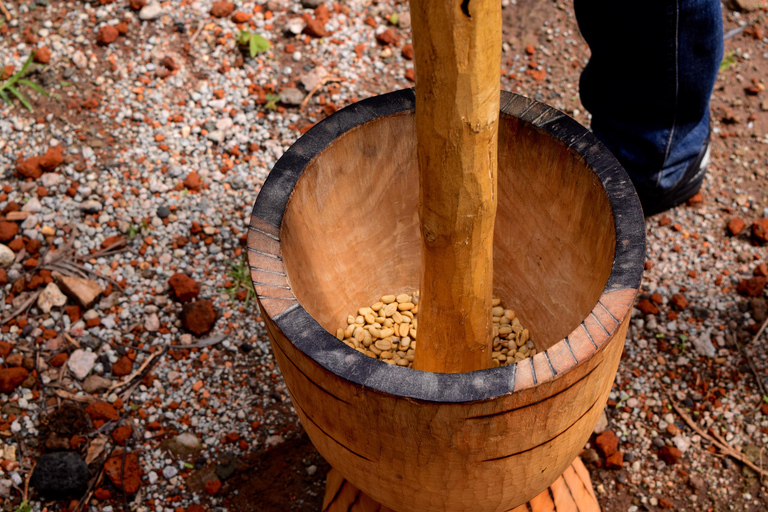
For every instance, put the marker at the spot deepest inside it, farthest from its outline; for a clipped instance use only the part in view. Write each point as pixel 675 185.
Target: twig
pixel 71 340
pixel 87 497
pixel 42 384
pixel 31 300
pixel 197 32
pixel 128 392
pixel 25 496
pixel 83 399
pixel 112 249
pixel 317 88
pixel 5 11
pixel 721 444
pixel 215 340
pixel 109 426
pixel 749 359
pixel 130 378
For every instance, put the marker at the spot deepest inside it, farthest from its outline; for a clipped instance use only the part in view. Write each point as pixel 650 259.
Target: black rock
pixel 700 313
pixel 163 211
pixel 60 475
pixel 245 348
pixel 27 329
pixel 227 466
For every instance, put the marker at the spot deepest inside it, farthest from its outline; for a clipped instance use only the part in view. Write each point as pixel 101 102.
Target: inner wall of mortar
pixel 350 233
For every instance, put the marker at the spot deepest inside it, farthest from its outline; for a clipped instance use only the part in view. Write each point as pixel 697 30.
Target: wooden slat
pixel 542 502
pixel 581 494
pixel 567 493
pixel 559 493
pixel 619 302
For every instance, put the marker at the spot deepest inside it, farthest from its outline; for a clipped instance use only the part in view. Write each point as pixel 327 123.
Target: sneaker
pixel 654 201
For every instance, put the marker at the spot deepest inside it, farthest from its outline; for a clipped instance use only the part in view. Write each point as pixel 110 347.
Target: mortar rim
pixel 280 306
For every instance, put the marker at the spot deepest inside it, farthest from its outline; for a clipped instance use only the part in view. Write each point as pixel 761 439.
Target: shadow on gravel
pixel 277 480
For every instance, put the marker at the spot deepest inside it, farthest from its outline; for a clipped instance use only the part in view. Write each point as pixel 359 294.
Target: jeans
pixel 648 82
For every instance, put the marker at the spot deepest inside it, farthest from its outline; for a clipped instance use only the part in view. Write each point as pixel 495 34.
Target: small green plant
pixel 727 61
pixel 394 18
pixel 272 100
pixel 240 275
pixel 24 506
pixel 10 85
pixel 132 232
pixel 253 41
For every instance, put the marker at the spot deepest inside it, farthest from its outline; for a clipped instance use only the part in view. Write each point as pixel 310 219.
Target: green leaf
pixel 34 86
pixel 64 83
pixel 187 465
pixel 394 19
pixel 5 97
pixel 262 44
pixel 21 97
pixel 727 61
pixel 683 338
pixel 26 65
pixel 253 46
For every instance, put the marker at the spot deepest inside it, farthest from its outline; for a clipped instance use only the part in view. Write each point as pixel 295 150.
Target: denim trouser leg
pixel 649 81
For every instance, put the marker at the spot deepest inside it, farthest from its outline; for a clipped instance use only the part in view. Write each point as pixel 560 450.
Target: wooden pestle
pixel 457 49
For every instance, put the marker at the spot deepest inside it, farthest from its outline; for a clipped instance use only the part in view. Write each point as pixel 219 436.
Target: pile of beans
pixel 387 331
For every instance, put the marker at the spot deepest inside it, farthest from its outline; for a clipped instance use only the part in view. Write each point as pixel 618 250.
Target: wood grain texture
pixel 566 494
pixel 457 54
pixel 349 233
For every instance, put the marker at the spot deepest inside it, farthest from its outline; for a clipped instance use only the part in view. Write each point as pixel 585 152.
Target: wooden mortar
pixel 336 226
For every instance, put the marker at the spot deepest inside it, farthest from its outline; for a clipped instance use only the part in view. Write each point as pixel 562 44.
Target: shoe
pixel 655 202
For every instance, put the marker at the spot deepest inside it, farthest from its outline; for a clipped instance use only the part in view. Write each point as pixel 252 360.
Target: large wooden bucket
pixel 336 226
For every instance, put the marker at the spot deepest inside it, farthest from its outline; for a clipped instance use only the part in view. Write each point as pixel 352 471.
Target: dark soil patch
pixel 276 480
pixel 57 428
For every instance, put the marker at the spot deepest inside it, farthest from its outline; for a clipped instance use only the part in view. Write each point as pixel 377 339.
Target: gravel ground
pixel 153 366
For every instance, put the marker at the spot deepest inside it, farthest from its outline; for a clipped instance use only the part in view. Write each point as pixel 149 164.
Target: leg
pixel 648 85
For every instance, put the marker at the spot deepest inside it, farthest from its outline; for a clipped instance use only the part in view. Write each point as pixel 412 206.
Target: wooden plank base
pixel 571 492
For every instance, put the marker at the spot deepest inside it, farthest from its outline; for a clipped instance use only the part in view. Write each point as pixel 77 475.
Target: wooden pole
pixel 457 48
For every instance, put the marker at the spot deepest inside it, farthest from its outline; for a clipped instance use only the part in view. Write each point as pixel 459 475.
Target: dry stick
pixel 91 487
pixel 197 32
pixel 5 11
pixel 130 378
pixel 749 359
pixel 317 88
pixel 25 496
pixel 27 303
pixel 214 340
pixel 83 399
pixel 117 247
pixel 721 444
pixel 457 50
